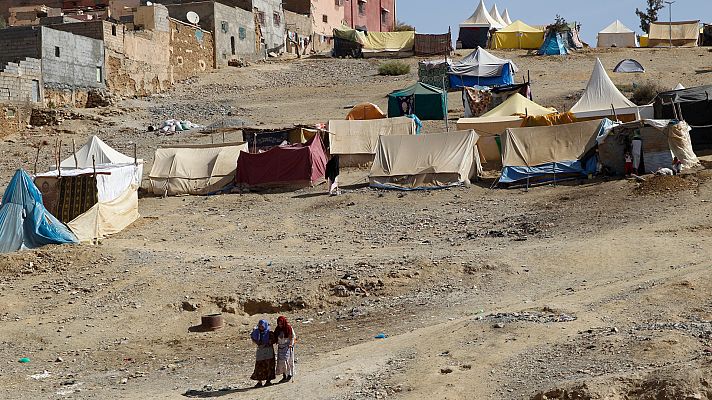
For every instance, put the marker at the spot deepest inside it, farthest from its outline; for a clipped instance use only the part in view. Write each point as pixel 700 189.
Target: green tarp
pixel 428 102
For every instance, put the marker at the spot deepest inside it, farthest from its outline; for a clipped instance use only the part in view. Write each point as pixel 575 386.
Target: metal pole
pixel 670 3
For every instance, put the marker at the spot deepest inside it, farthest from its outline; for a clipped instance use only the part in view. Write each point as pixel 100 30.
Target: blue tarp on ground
pixel 547 172
pixel 554 44
pixel 460 81
pixel 23 219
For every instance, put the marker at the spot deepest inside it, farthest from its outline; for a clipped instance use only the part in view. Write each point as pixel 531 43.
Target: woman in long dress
pixel 264 357
pixel 284 335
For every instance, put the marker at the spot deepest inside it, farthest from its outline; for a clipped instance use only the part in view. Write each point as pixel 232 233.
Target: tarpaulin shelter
pixel 540 154
pixel 24 221
pixel 616 35
pixel 661 141
pixel 474 31
pixel 365 111
pixel 433 44
pixel 629 66
pixel 430 161
pixel 424 101
pixel 518 35
pixel 481 68
pixel 95 190
pixel 601 95
pixel 694 106
pixel 378 44
pixel 683 34
pixel 492 125
pixel 643 41
pixel 555 44
pixel 294 165
pixel 355 141
pixel 518 105
pixel 196 169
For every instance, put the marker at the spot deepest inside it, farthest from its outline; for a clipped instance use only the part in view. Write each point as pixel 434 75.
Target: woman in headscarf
pixel 264 357
pixel 284 335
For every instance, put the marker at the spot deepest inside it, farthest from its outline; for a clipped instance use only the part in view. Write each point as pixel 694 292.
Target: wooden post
pixel 93 165
pixel 135 154
pixel 37 157
pixel 615 114
pixel 74 151
pixel 447 122
pixel 223 136
pixel 59 159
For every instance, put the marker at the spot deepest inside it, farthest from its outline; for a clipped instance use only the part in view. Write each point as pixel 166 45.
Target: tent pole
pixel 74 150
pixel 37 157
pixel 59 158
pixel 93 165
pixel 679 107
pixel 223 136
pixel 135 154
pixel 615 114
pixel 447 122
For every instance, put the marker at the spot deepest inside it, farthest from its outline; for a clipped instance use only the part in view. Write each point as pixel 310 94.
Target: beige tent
pixel 117 178
pixel 355 141
pixel 683 34
pixel 194 169
pixel 616 35
pixel 601 95
pixel 517 104
pixel 425 161
pixel 528 147
pixel 489 130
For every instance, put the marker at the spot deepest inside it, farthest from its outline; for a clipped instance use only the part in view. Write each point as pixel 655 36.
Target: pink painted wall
pixel 372 18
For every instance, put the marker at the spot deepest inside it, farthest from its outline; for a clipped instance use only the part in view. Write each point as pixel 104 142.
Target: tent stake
pixel 74 150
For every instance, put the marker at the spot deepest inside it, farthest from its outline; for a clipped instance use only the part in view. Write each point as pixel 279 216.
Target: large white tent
pixel 601 95
pixel 494 13
pixel 616 35
pixel 506 18
pixel 481 19
pixel 117 178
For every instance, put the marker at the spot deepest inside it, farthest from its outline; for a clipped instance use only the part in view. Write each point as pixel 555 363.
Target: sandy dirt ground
pixel 596 289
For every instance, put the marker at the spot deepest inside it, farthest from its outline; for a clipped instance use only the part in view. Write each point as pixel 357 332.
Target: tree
pixel 650 15
pixel 403 27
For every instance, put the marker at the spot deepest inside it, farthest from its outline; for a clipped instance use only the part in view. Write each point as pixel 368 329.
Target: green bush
pixel 394 68
pixel 646 92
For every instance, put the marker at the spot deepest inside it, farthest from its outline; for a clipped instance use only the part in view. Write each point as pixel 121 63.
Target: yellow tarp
pixel 518 35
pixel 684 34
pixel 376 42
pixel 549 120
pixel 518 105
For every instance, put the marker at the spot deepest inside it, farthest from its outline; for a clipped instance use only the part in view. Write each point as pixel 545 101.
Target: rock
pixel 229 309
pixel 446 370
pixel 498 325
pixel 341 291
pixel 188 306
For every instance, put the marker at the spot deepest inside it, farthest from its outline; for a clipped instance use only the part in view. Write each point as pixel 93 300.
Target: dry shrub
pixel 646 92
pixel 394 68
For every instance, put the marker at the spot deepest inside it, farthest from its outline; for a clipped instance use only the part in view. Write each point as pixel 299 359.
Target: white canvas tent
pixel 481 63
pixel 683 34
pixel 355 141
pixel 600 95
pixel 194 169
pixel 494 13
pixel 481 19
pixel 679 87
pixel 117 178
pixel 616 35
pixel 431 161
pixel 506 18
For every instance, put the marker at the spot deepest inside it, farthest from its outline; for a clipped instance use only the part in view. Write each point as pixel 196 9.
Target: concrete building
pixel 30 15
pixel 148 60
pixel 269 15
pixel 71 65
pixel 233 29
pixel 370 15
pixel 324 16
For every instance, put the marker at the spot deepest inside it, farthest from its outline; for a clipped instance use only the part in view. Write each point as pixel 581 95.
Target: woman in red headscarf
pixel 284 334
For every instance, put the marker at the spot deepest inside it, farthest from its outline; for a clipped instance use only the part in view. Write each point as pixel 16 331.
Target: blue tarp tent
pixel 24 222
pixel 481 68
pixel 554 44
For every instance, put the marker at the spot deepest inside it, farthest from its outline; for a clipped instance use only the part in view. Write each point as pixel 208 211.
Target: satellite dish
pixel 192 17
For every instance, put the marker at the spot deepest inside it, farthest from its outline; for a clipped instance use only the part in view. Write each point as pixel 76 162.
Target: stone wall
pixel 191 50
pixel 21 82
pixel 14 117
